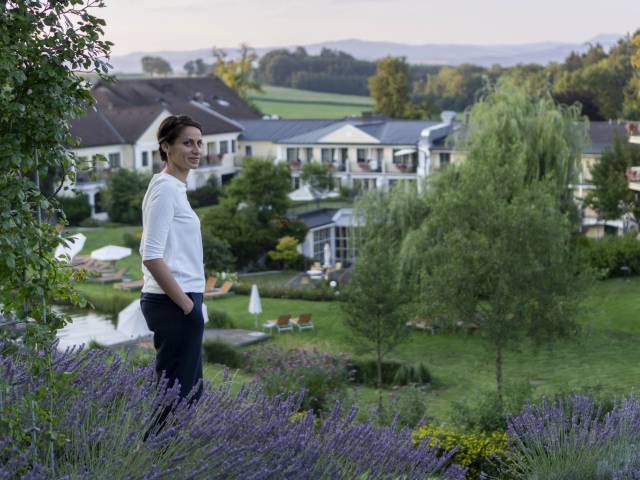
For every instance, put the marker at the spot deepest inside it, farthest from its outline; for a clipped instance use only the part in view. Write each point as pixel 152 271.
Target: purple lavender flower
pixel 103 406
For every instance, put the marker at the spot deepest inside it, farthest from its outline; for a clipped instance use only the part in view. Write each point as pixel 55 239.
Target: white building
pixel 120 131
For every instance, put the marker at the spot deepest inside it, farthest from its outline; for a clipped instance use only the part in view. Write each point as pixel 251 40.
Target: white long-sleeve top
pixel 171 230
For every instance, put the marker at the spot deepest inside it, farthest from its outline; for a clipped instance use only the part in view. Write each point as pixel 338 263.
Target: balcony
pixel 335 166
pixel 295 165
pixel 211 160
pixel 403 168
pixel 372 166
pixel 94 176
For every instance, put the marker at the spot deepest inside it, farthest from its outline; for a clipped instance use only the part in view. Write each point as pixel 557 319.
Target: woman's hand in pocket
pixel 188 305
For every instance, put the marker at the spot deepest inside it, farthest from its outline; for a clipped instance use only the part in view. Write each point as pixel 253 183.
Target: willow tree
pixel 496 247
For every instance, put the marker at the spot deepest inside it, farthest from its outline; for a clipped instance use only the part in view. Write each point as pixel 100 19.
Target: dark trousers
pixel 177 339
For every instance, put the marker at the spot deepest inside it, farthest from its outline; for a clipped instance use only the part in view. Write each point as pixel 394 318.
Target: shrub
pixel 479 452
pixel 608 255
pixel 132 240
pixel 123 196
pixel 319 293
pixel 575 439
pixel 100 418
pixel 217 351
pixel 217 253
pixel 219 319
pixel 76 208
pixel 317 373
pixel 286 253
pixel 208 194
pixel 365 372
pixel 406 407
pixel 418 374
pixel 485 412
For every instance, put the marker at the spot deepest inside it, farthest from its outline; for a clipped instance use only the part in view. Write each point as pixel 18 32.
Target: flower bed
pixel 94 408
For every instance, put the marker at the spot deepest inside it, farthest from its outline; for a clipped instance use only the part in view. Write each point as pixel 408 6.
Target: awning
pixel 404 151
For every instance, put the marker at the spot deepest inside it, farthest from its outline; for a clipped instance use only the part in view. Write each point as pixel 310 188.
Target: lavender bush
pixel 320 375
pixel 575 439
pixel 108 405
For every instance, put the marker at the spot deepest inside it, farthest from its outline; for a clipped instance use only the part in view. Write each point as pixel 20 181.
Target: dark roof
pixel 276 130
pixel 209 119
pixel 387 132
pixel 601 135
pixel 316 218
pixel 93 129
pixel 130 122
pixel 152 91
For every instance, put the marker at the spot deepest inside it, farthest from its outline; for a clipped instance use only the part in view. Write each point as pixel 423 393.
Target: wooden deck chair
pixel 281 324
pixel 303 322
pixel 129 286
pixel 109 277
pixel 223 291
pixel 210 285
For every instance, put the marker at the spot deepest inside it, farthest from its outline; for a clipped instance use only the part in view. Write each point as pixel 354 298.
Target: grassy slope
pixel 605 356
pixel 293 103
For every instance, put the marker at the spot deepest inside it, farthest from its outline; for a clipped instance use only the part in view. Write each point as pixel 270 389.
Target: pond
pixel 88 325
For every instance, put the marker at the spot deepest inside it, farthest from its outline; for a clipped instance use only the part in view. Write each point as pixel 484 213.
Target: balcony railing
pixel 295 164
pixel 369 166
pixel 405 167
pixel 335 166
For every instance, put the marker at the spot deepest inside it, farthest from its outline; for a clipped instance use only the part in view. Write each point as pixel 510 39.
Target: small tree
pixel 123 196
pixel 373 302
pixel 237 74
pixel 611 196
pixel 156 66
pixel 261 185
pixel 319 178
pixel 389 87
pixel 217 253
pixel 286 252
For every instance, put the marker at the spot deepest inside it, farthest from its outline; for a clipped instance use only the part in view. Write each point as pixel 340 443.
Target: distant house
pixel 122 126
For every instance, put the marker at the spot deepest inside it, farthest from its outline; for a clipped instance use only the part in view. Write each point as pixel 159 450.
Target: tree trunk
pixel 499 371
pixel 379 368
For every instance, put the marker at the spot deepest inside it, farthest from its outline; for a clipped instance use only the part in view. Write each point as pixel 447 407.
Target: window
pixel 224 147
pixel 343 252
pixel 145 159
pixel 233 146
pixel 296 183
pixel 309 152
pixel 380 155
pixel 292 154
pixel 114 160
pixel 320 237
pixel 211 149
pixel 361 155
pixel 248 151
pixel 327 155
pixel 445 160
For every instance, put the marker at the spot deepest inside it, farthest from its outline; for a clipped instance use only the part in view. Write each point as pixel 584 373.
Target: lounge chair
pixel 223 291
pixel 281 324
pixel 129 286
pixel 109 277
pixel 425 324
pixel 303 322
pixel 210 286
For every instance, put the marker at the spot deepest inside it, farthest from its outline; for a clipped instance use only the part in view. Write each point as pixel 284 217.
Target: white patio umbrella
pixel 255 307
pixel 131 322
pixel 67 252
pixel 327 255
pixel 111 253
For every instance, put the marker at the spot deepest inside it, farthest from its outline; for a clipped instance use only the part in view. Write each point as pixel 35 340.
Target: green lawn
pixel 605 356
pixel 293 103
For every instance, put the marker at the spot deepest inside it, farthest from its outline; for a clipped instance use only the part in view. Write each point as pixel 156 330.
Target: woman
pixel 172 259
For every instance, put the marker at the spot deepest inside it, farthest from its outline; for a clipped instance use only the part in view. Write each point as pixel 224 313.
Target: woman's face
pixel 184 152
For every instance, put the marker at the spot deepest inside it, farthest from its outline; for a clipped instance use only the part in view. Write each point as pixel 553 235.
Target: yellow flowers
pixel 479 452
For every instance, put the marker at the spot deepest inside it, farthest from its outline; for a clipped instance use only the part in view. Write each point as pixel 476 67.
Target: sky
pixel 155 25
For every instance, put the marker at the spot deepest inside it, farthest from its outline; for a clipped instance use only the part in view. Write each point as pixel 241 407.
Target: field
pixel 293 103
pixel 603 359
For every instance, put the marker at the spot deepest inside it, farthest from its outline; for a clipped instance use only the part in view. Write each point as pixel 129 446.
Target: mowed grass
pixel 293 103
pixel 604 357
